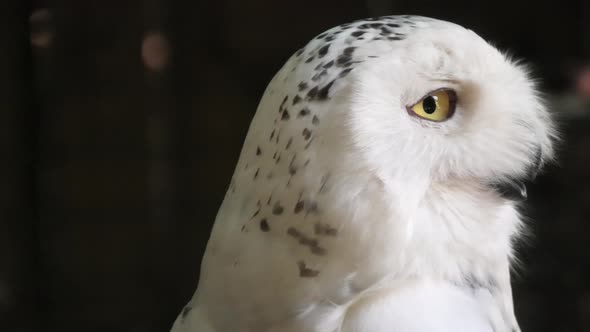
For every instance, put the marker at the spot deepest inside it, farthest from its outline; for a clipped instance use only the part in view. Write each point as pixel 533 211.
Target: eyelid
pixel 431 93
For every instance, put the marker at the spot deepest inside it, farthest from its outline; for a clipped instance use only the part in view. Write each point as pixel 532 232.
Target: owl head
pixel 437 102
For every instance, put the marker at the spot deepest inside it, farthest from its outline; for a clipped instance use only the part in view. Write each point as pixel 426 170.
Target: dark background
pixel 116 149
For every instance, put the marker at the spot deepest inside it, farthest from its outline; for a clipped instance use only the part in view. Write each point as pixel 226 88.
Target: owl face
pixel 443 104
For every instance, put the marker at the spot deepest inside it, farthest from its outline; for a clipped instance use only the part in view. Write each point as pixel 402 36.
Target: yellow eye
pixel 437 106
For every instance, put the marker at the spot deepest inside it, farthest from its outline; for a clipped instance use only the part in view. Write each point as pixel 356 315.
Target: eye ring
pixel 436 106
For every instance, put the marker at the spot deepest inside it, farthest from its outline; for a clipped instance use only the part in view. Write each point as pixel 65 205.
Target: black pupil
pixel 429 104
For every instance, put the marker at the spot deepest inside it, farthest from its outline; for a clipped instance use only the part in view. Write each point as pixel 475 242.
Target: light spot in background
pixel 40 26
pixel 583 82
pixel 155 51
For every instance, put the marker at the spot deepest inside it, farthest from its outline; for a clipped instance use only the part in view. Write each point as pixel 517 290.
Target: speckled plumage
pixel 346 214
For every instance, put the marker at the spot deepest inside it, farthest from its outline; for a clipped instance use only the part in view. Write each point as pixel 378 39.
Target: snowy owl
pixel 378 188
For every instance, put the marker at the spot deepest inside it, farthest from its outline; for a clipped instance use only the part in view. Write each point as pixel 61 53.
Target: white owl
pixel 377 189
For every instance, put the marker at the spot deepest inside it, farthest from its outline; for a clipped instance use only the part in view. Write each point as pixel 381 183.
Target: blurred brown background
pixel 121 121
